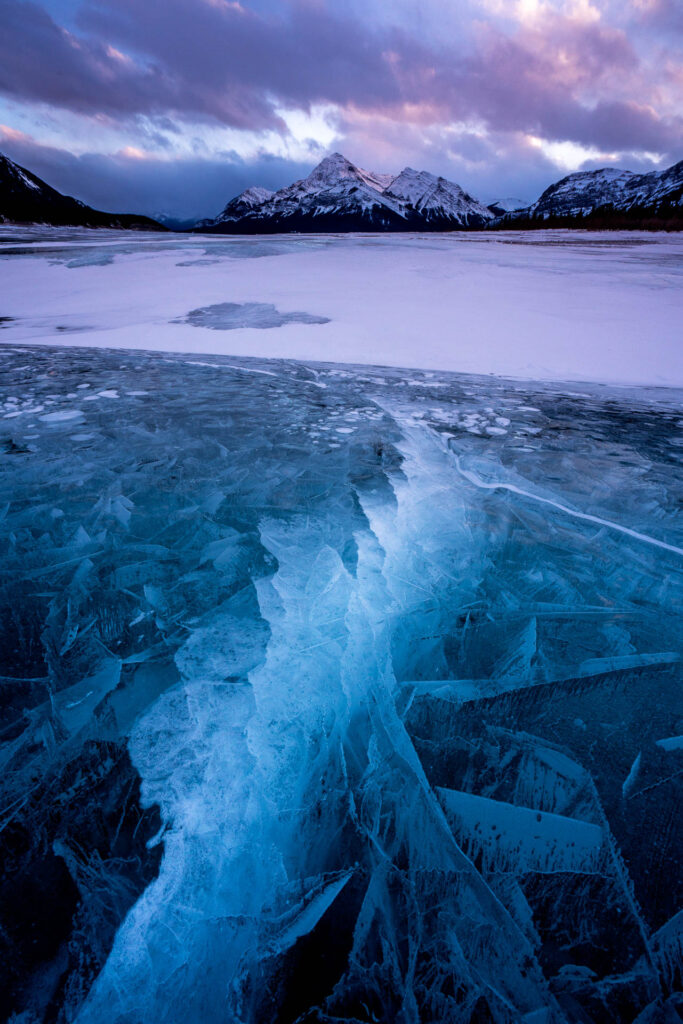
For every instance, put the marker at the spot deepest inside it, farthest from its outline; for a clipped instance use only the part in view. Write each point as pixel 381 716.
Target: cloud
pixel 661 14
pixel 41 61
pixel 128 182
pixel 566 76
pixel 562 79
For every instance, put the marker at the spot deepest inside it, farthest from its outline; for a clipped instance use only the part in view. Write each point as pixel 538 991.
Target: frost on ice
pixel 337 696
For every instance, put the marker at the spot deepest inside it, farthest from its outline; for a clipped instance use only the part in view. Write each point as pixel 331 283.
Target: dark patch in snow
pixel 229 316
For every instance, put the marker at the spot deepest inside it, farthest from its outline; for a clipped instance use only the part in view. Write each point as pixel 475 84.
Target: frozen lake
pixel 340 692
pixel 540 305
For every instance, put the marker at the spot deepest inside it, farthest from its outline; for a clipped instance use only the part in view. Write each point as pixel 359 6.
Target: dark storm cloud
pixel 196 58
pixel 563 78
pixel 185 188
pixel 41 61
pixel 299 54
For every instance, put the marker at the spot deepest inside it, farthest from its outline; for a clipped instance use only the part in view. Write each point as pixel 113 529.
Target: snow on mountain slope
pixel 255 196
pixel 659 186
pixel 337 195
pixel 335 186
pixel 336 168
pixel 581 192
pixel 585 191
pixel 436 198
pixel 507 205
pixel 242 204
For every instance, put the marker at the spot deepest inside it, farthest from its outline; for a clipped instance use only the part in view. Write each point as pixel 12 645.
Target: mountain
pixel 507 205
pixel 27 199
pixel 338 196
pixel 441 203
pixel 607 198
pixel 238 207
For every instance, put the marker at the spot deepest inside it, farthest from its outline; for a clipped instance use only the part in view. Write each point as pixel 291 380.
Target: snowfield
pixel 539 305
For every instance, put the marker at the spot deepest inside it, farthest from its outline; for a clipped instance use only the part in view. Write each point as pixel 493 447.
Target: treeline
pixel 665 217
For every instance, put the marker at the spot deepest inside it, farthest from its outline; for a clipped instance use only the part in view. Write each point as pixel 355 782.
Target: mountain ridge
pixel 27 199
pixel 608 197
pixel 338 195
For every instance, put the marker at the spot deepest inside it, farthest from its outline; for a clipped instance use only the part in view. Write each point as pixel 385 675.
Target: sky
pixel 172 107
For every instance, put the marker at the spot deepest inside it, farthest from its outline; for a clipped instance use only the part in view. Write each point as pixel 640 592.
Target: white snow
pixel 427 193
pixel 580 192
pixel 27 181
pixel 255 195
pixel 546 305
pixel 510 203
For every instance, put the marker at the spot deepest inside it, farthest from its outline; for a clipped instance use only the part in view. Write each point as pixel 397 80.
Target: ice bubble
pixel 62 416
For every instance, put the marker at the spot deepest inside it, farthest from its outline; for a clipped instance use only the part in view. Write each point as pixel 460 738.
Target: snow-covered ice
pixel 539 305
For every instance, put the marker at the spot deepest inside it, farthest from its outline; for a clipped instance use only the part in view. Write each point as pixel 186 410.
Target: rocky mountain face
pixel 27 199
pixel 622 197
pixel 338 196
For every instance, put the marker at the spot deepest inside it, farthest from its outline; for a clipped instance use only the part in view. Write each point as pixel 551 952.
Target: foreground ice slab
pixel 337 694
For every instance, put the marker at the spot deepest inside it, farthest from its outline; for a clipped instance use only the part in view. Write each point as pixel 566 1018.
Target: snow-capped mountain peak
pixel 243 204
pixel 338 195
pixel 336 168
pixel 410 184
pixel 437 198
pixel 508 204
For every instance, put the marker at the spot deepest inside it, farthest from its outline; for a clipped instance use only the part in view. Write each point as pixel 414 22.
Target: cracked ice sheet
pixel 548 305
pixel 301 642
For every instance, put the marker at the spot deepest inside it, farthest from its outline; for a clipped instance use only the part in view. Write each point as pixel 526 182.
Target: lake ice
pixel 541 305
pixel 341 692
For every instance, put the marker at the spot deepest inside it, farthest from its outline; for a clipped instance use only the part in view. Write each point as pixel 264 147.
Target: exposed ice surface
pixel 228 316
pixel 324 701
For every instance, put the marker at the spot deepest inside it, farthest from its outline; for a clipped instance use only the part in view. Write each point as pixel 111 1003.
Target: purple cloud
pixel 41 61
pixel 662 14
pixel 563 79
